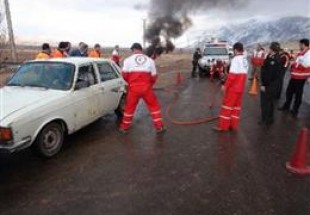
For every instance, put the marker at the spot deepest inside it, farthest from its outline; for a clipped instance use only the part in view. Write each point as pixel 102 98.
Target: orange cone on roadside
pixel 254 87
pixel 298 163
pixel 179 78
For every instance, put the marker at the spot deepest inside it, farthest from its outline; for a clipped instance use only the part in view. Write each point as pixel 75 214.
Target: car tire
pixel 49 141
pixel 119 112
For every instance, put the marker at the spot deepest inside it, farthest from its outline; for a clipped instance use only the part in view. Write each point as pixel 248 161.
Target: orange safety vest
pixel 58 54
pixel 94 54
pixel 42 56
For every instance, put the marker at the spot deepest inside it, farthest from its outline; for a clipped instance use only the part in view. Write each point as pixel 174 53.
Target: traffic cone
pixel 179 78
pixel 298 163
pixel 254 87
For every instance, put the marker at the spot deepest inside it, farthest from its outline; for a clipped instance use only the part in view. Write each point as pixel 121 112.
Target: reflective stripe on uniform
pixel 226 107
pixel 225 117
pixel 157 112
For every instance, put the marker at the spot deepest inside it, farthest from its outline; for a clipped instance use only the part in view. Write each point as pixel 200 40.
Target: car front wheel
pixel 120 109
pixel 49 140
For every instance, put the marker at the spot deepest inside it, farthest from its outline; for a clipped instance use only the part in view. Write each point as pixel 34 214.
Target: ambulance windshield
pixel 215 51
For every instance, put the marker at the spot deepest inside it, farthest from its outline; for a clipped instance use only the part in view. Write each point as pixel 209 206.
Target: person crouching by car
pixel 270 83
pixel 233 91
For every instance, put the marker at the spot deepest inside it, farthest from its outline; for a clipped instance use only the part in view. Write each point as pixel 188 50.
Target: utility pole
pixel 144 32
pixel 10 30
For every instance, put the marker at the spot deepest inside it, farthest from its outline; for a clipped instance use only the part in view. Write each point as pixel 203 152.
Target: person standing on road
pixel 233 91
pixel 45 53
pixel 300 72
pixel 139 72
pixel 257 60
pixel 96 53
pixel 270 83
pixel 81 51
pixel 60 52
pixel 115 55
pixel 285 62
pixel 196 57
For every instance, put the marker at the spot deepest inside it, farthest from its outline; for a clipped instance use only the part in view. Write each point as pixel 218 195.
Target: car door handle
pixel 115 90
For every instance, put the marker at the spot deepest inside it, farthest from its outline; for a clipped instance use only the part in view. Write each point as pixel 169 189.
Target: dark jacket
pixel 271 74
pixel 197 55
pixel 77 53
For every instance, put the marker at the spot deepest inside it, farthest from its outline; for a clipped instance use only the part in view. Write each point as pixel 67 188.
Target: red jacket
pixel 237 76
pixel 139 71
pixel 301 66
pixel 258 58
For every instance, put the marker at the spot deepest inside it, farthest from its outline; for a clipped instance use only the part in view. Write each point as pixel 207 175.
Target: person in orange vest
pixel 45 53
pixel 257 60
pixel 96 53
pixel 115 55
pixel 139 71
pixel 60 52
pixel 300 72
pixel 233 91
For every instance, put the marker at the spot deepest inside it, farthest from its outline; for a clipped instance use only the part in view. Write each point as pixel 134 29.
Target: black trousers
pixel 195 65
pixel 281 84
pixel 295 88
pixel 267 106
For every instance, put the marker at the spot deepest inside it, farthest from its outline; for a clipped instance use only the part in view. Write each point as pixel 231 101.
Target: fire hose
pixel 189 122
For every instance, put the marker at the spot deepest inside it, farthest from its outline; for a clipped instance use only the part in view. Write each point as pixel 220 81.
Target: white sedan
pixel 46 100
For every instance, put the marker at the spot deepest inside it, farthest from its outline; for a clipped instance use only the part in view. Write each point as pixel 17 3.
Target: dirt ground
pixel 173 62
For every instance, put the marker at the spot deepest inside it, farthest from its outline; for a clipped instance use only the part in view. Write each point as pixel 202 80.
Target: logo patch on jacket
pixel 140 59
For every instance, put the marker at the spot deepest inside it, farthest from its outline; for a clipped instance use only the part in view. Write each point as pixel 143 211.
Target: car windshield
pixel 49 75
pixel 215 51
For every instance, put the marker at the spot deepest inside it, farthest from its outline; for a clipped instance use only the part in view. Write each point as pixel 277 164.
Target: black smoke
pixel 169 19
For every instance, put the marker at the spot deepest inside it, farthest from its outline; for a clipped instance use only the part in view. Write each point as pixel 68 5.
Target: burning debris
pixel 169 19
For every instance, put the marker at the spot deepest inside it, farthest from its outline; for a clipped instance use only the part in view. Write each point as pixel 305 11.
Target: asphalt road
pixel 187 171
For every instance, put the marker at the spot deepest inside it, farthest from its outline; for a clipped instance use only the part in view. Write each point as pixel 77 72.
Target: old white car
pixel 46 100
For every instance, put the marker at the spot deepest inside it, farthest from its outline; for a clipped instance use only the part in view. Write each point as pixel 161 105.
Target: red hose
pixel 187 123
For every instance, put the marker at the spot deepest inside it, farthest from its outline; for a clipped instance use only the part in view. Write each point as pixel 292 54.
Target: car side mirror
pixel 80 84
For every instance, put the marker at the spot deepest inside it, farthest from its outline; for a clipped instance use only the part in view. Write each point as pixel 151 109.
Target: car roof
pixel 74 60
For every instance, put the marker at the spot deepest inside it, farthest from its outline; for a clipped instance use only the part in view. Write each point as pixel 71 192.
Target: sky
pixel 111 22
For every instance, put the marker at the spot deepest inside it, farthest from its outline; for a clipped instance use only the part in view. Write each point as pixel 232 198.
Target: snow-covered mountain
pixel 283 30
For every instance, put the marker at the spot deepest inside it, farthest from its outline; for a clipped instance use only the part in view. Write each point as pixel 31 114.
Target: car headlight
pixel 6 134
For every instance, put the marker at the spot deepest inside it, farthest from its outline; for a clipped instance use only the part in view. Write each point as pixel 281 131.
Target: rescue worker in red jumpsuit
pixel 257 59
pixel 139 72
pixel 300 72
pixel 233 91
pixel 218 68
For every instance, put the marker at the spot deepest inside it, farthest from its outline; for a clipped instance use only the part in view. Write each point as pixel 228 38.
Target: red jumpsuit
pixel 235 84
pixel 219 68
pixel 139 72
pixel 116 57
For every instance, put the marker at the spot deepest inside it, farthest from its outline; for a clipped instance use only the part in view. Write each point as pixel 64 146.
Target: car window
pixel 51 75
pixel 87 74
pixel 106 72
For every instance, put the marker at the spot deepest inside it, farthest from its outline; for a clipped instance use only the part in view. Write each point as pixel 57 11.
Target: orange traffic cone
pixel 298 163
pixel 254 87
pixel 179 78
